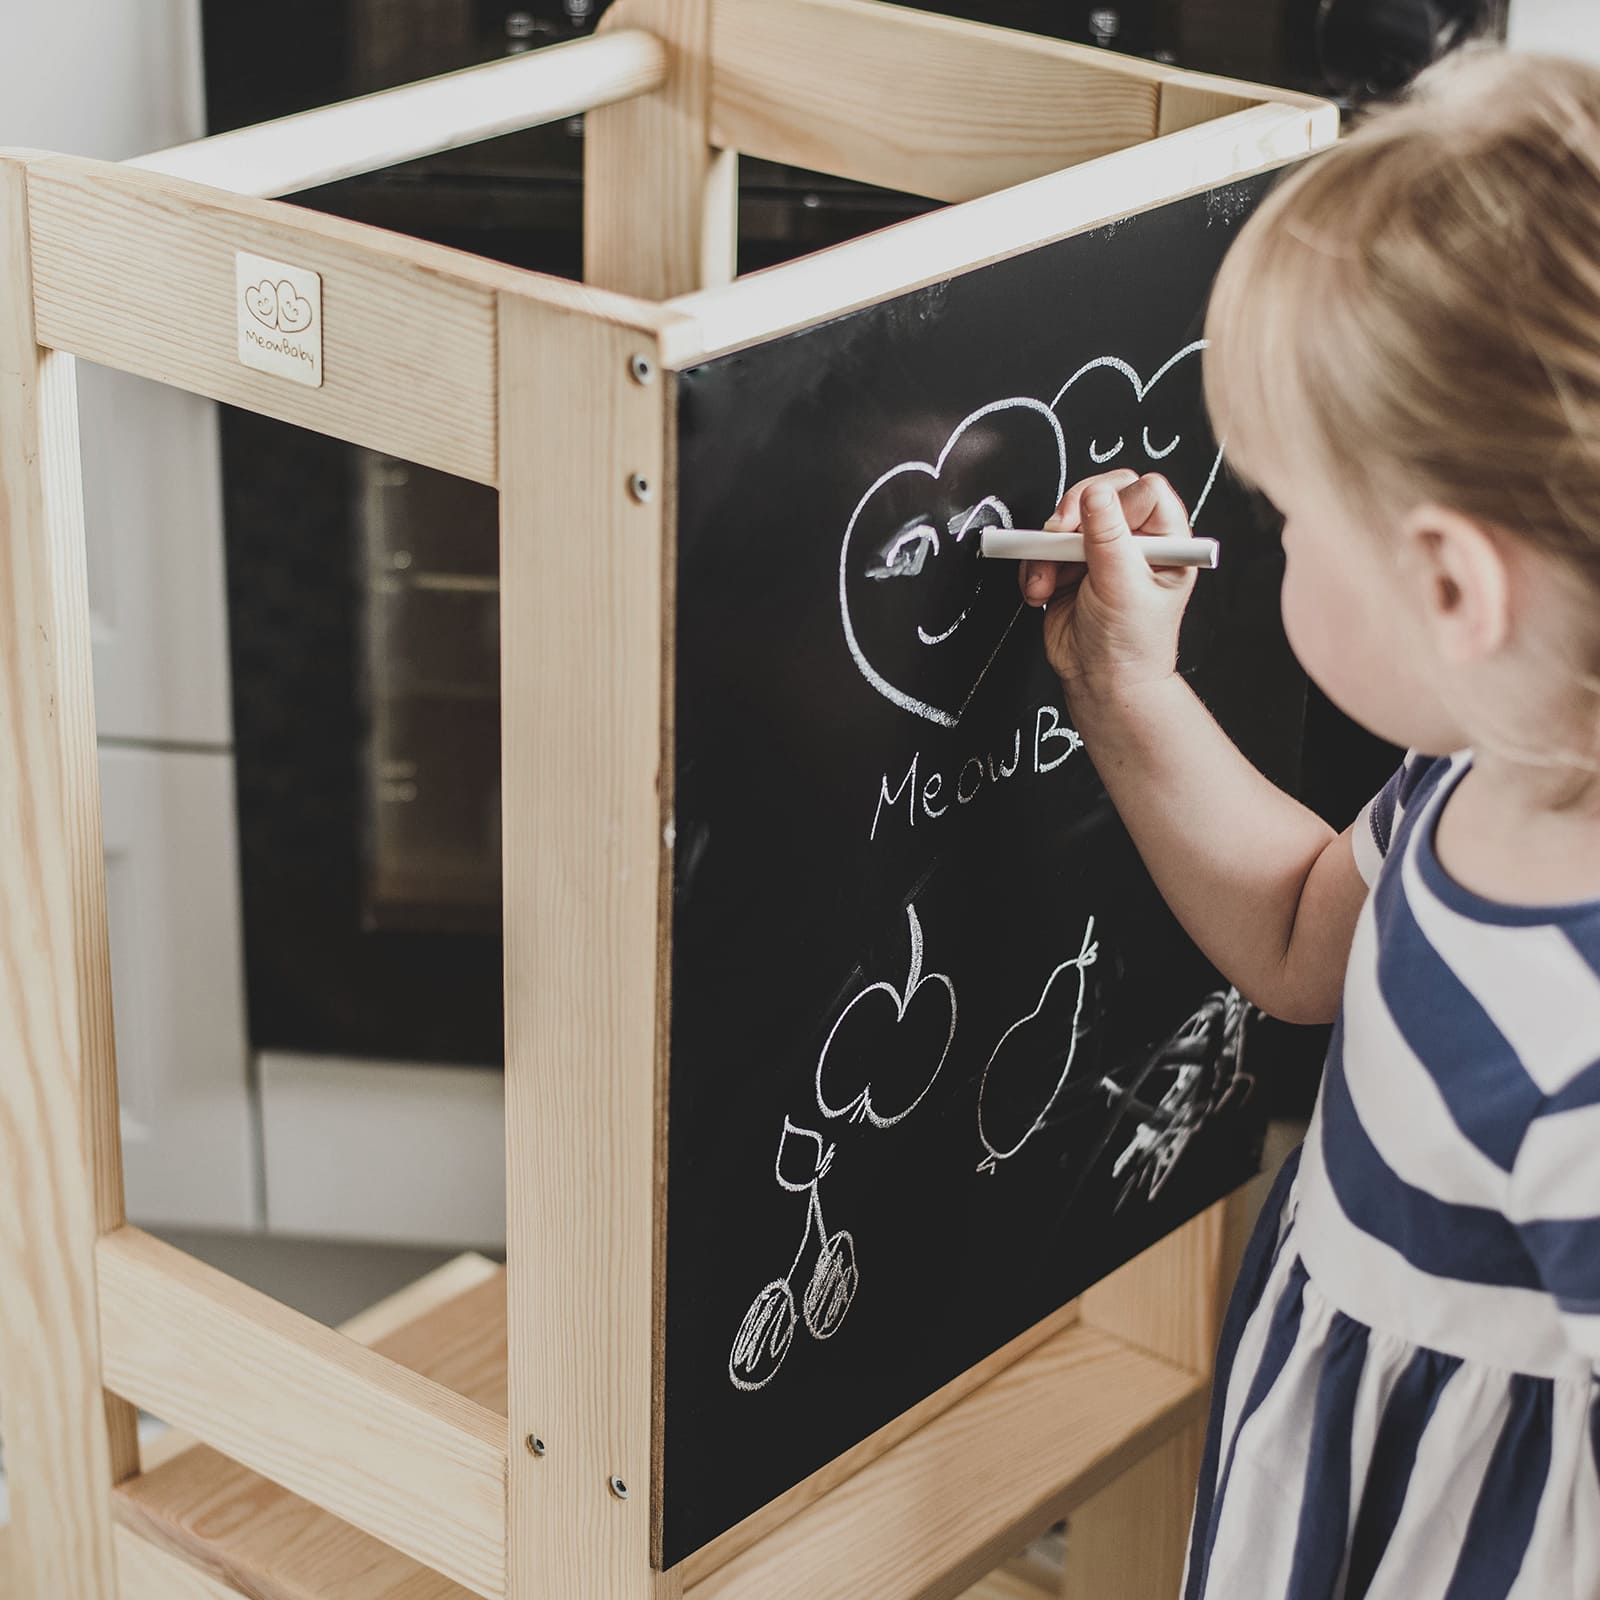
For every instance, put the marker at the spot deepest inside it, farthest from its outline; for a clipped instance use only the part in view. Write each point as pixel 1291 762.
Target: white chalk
pixel 1036 544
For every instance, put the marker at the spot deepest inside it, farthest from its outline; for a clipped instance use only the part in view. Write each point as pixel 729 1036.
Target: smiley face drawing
pixel 278 306
pixel 922 619
pixel 1116 418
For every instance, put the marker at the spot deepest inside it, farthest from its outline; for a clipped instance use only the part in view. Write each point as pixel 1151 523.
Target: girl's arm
pixel 1266 889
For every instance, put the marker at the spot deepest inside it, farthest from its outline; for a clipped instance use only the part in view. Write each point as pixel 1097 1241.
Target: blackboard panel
pixel 939 1055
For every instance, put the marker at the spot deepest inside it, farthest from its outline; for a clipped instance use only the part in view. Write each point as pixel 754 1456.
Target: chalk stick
pixel 1034 544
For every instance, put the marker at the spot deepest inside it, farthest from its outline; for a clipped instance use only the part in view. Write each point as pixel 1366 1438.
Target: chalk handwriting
pixel 921 792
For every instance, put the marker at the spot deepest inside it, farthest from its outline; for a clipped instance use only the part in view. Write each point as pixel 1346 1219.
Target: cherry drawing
pixel 768 1328
pixel 1033 1060
pixel 875 1065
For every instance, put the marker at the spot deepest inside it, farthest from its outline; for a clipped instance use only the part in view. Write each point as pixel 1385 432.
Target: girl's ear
pixel 1456 575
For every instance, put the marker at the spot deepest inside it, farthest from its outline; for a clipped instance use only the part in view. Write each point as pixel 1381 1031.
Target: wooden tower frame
pixel 380 1461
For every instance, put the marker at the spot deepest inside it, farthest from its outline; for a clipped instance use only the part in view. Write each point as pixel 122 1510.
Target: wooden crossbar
pixel 926 249
pixel 395 1454
pixel 419 119
pixel 136 270
pixel 972 108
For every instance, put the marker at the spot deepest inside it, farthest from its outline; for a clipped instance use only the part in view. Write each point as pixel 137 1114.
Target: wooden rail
pixel 392 1452
pixel 419 119
pixel 136 271
pixel 941 244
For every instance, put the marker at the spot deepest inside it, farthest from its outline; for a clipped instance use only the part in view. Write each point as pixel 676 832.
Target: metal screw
pixel 535 1444
pixel 642 367
pixel 618 1487
pixel 641 488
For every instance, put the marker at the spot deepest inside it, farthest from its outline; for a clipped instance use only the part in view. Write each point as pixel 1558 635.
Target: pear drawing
pixel 1033 1060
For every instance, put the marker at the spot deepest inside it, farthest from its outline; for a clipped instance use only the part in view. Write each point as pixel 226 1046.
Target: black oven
pixel 362 590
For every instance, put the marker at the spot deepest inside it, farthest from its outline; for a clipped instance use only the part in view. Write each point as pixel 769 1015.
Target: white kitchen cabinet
pixel 152 515
pixel 111 79
pixel 383 1151
pixel 177 982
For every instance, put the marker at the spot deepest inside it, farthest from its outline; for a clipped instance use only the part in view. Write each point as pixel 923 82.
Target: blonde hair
pixel 1415 315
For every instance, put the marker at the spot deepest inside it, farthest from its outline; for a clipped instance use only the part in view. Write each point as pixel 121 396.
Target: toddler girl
pixel 1405 357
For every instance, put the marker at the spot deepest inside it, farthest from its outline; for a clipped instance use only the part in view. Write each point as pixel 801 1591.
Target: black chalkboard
pixel 939 1055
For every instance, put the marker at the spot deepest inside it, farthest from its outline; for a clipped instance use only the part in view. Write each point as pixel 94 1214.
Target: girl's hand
pixel 1112 621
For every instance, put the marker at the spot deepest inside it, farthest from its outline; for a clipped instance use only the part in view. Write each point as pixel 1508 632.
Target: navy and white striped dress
pixel 1405 1405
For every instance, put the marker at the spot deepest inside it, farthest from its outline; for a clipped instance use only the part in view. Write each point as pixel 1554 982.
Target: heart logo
pixel 277 306
pixel 881 1027
pixel 261 301
pixel 294 310
pixel 1127 422
pixel 916 606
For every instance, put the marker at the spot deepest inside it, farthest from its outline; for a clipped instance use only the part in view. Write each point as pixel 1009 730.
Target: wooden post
pixel 1129 1540
pixel 660 203
pixel 585 498
pixel 60 1154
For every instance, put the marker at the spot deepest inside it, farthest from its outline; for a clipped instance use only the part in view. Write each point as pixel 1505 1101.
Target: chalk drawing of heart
pixel 1102 453
pixel 872 1034
pixel 261 301
pixel 914 620
pixel 294 310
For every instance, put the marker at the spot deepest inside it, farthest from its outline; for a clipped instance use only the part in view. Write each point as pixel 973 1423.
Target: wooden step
pixel 953 1498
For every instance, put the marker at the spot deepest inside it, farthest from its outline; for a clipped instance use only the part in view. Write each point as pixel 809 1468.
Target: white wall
pixel 110 79
pixel 1566 27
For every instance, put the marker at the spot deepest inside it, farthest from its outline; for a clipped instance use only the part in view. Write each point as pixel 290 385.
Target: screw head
pixel 618 1487
pixel 536 1445
pixel 642 367
pixel 641 488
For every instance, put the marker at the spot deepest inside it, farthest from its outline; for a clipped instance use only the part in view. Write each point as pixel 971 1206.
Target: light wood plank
pixel 412 1305
pixel 581 645
pixel 934 1514
pixel 659 201
pixel 1006 1585
pixel 409 336
pixel 419 119
pixel 1102 1406
pixel 398 1455
pixel 388 1318
pixel 57 1133
pixel 930 248
pixel 1187 104
pixel 759 1524
pixel 147 1572
pixel 225 1519
pixel 1169 1299
pixel 926 104
pixel 1128 1541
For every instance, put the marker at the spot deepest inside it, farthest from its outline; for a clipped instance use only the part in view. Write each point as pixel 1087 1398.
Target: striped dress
pixel 1406 1404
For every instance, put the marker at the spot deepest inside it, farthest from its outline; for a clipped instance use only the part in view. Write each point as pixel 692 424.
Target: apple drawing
pixel 1030 1065
pixel 888 1045
pixel 922 619
pixel 1115 418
